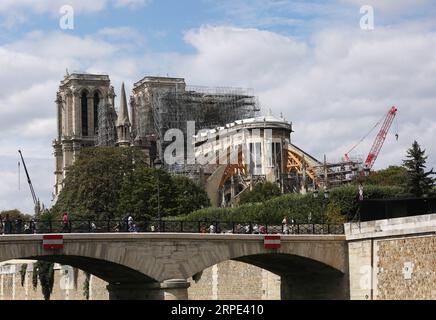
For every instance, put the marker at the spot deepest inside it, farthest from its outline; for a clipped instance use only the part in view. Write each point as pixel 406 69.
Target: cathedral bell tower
pixel 79 100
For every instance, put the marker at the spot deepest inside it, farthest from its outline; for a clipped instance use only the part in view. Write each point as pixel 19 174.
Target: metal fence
pixel 168 226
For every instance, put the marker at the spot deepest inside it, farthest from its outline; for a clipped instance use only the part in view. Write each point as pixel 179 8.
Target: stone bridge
pixel 157 265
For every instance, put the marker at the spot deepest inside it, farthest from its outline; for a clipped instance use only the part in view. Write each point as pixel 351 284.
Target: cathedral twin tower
pixel 86 117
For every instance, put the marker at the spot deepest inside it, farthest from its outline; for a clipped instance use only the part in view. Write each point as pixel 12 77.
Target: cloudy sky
pixel 309 60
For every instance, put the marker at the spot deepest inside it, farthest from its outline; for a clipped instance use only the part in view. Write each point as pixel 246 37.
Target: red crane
pixel 379 140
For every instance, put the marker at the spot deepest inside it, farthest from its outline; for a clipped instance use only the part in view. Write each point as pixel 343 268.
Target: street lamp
pixel 158 165
pixel 326 198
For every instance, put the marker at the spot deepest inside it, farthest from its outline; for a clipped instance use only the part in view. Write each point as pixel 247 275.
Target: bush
pixel 341 206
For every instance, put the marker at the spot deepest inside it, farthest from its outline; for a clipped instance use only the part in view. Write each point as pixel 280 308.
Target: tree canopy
pixel 15 214
pixel 261 192
pixel 419 181
pixel 112 182
pixel 391 176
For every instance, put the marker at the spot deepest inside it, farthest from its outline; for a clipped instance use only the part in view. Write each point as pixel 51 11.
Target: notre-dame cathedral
pixel 87 115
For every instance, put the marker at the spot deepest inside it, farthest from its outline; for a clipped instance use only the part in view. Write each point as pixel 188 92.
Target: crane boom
pixel 380 139
pixel 35 199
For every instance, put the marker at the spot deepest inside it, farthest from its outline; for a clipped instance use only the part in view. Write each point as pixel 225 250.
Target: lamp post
pixel 326 198
pixel 158 165
pixel 315 193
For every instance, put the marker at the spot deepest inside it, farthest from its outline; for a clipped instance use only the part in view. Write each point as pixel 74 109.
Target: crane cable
pixel 19 176
pixel 361 140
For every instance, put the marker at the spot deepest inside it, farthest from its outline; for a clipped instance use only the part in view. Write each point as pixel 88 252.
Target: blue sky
pixel 165 21
pixel 309 60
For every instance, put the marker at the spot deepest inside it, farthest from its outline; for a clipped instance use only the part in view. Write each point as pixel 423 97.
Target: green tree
pixel 113 182
pixel 139 194
pixel 15 214
pixel 261 192
pixel 177 195
pixel 391 176
pixel 189 196
pixel 420 182
pixel 93 183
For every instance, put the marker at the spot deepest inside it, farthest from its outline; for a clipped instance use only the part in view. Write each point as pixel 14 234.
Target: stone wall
pixel 68 284
pixel 232 280
pixel 228 280
pixel 393 259
pixel 406 268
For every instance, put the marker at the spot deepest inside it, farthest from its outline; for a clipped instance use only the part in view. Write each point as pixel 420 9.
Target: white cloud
pixel 132 4
pixel 52 6
pixel 228 55
pixel 62 46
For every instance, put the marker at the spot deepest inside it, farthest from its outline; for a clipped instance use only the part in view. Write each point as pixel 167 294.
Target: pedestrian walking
pixel 212 228
pixel 262 229
pixel 18 226
pixel 203 229
pixel 285 225
pixel 32 226
pixel 7 225
pixel 131 224
pixel 65 223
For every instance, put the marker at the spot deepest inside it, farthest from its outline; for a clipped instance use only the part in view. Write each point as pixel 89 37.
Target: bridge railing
pixel 169 226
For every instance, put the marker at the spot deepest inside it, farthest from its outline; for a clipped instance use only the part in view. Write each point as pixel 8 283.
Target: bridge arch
pixel 330 251
pixel 309 269
pixel 154 262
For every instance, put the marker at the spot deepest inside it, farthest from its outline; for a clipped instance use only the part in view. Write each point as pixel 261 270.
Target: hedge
pixel 341 206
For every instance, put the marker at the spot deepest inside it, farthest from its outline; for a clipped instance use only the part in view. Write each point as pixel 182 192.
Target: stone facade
pixel 406 268
pixel 78 101
pixel 393 259
pixel 230 280
pixel 233 280
pixel 69 284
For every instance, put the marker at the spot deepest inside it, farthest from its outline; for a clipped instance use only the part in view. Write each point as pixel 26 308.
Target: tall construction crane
pixel 32 191
pixel 379 140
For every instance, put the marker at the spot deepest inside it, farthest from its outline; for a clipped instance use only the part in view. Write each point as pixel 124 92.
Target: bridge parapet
pixel 135 263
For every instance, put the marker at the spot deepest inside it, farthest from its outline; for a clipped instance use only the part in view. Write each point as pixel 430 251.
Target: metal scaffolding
pixel 106 133
pixel 208 107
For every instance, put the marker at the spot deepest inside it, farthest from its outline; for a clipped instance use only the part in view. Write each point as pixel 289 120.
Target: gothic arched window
pixel 84 102
pixel 96 103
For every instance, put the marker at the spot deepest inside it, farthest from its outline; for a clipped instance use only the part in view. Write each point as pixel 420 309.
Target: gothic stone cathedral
pixel 87 116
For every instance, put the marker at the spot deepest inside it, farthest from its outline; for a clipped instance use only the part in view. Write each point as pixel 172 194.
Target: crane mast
pixel 380 139
pixel 32 191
